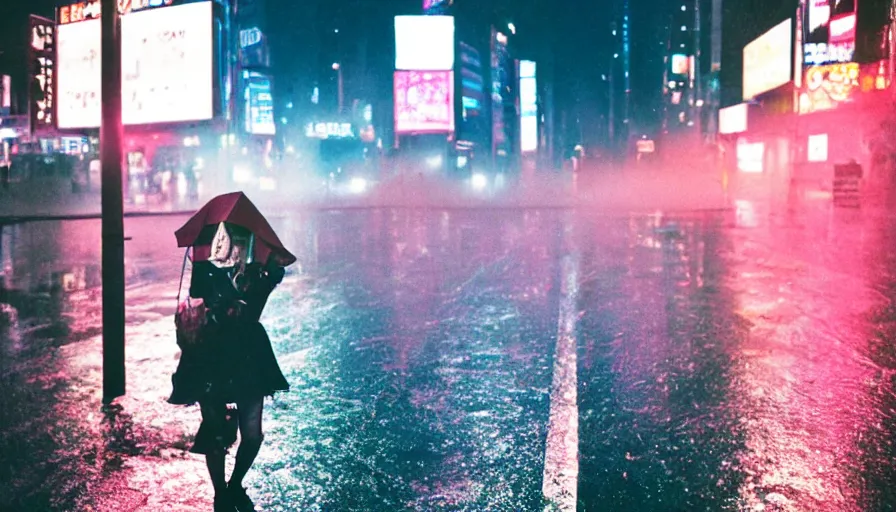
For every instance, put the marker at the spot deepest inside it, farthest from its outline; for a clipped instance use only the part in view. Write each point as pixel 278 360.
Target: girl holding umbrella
pixel 237 263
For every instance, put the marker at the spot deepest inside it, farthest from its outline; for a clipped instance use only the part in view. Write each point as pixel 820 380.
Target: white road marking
pixel 561 461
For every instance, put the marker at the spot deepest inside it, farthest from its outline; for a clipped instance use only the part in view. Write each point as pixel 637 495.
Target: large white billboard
pixel 79 81
pixel 167 62
pixel 424 43
pixel 768 60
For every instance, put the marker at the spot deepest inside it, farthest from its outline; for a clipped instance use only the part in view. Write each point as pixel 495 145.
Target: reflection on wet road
pixel 473 360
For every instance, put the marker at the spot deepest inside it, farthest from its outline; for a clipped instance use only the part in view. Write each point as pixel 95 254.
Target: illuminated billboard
pixel 830 32
pixel 733 119
pixel 680 64
pixel 424 43
pixel 167 57
pixel 42 74
pixel 501 80
pixel 472 125
pixel 819 14
pixel 768 61
pixel 424 102
pixel 528 107
pixel 259 102
pixel 79 81
pixel 826 87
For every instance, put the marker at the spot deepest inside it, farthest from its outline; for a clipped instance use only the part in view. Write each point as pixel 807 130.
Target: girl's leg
pixel 250 412
pixel 212 412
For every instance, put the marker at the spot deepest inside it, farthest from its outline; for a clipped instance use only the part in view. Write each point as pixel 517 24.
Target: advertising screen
pixel 679 64
pixel 424 102
pixel 78 83
pixel 826 87
pixel 819 14
pixel 768 61
pixel 733 119
pixel 528 107
pixel 167 62
pixel 167 58
pixel 500 79
pixel 259 103
pixel 424 43
pixel 472 125
pixel 830 32
pixel 42 56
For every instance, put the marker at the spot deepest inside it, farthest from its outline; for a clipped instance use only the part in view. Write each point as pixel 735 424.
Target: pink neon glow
pixel 424 101
pixel 843 29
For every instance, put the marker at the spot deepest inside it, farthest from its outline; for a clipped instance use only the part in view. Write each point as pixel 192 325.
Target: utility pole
pixel 611 115
pixel 698 75
pixel 112 205
pixel 626 70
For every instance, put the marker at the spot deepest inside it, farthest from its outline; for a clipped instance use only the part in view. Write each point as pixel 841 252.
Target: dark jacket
pixel 235 360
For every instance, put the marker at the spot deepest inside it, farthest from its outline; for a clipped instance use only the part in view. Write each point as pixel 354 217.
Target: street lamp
pixel 338 69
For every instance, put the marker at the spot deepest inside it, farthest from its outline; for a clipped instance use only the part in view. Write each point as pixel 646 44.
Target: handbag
pixel 191 316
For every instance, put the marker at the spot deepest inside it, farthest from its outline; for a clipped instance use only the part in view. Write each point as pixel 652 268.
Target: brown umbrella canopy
pixel 236 209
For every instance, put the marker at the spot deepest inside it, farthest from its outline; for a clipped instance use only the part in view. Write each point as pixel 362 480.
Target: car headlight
pixel 479 181
pixel 242 174
pixel 357 185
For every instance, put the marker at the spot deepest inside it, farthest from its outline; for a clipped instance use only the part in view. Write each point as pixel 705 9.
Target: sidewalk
pixel 53 198
pixel 63 449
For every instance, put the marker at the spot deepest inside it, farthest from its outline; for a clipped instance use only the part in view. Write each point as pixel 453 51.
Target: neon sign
pixel 823 53
pixel 250 37
pixel 826 87
pixel 329 130
pixel 91 10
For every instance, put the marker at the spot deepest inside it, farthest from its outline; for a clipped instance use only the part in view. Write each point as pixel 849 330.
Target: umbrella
pixel 234 208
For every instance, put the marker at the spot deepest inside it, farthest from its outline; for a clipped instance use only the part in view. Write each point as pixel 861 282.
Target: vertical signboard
pixel 41 74
pixel 259 105
pixel 499 80
pixel 5 94
pixel 472 123
pixel 528 107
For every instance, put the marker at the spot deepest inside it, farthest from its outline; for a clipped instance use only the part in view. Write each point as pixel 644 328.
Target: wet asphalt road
pixel 485 360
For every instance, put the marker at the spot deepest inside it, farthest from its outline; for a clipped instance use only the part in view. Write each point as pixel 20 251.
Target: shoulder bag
pixel 191 316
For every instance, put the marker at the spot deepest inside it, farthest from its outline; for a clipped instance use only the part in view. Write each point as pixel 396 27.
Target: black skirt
pixel 234 360
pixel 234 364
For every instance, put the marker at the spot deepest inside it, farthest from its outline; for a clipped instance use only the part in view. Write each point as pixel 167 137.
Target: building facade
pixel 692 63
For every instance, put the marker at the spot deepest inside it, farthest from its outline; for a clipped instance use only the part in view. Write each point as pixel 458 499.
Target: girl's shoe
pixel 240 499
